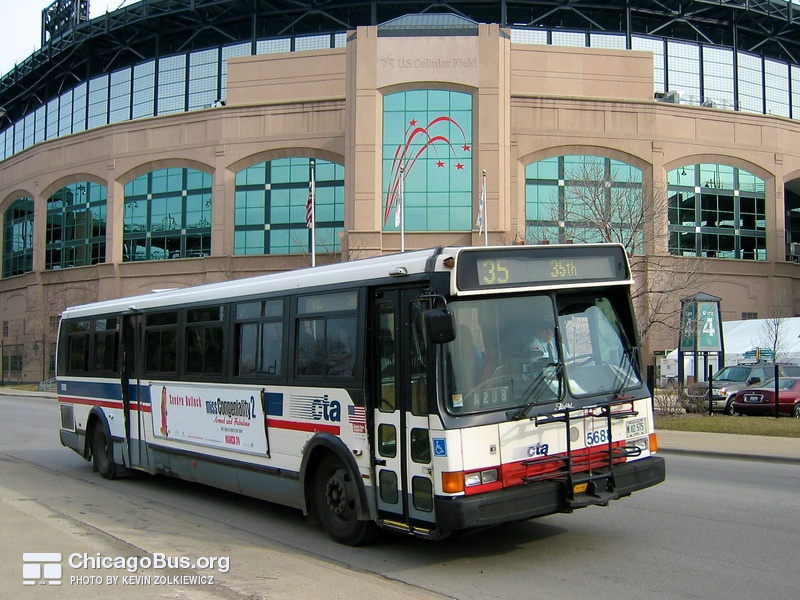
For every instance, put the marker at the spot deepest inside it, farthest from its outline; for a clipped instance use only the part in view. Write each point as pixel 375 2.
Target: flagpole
pixel 485 221
pixel 311 217
pixel 402 209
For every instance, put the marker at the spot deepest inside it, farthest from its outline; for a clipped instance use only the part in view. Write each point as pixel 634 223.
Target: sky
pixel 21 26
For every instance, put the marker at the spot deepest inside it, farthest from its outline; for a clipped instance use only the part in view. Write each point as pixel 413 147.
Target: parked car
pixel 760 400
pixel 729 380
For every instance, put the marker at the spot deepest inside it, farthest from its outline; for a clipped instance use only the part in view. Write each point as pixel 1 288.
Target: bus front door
pixel 401 444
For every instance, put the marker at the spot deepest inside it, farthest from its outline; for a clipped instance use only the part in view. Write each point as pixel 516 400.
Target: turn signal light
pixel 453 483
pixel 653 443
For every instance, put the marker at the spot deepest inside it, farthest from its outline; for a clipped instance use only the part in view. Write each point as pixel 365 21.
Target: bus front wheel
pixel 102 453
pixel 335 500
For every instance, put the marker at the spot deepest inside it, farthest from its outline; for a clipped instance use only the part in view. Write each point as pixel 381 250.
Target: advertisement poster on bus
pixel 229 419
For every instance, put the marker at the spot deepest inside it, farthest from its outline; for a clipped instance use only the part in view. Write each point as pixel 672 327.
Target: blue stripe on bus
pixel 104 389
pixel 91 389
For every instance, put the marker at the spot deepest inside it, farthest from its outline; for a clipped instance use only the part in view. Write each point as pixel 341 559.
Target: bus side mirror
pixel 440 325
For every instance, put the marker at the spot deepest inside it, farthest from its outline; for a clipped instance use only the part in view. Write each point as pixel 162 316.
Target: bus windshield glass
pixel 508 353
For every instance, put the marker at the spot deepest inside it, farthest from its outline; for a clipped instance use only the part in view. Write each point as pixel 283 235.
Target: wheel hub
pixel 336 495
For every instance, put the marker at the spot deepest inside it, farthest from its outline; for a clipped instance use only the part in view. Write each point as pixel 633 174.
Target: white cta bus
pixel 428 392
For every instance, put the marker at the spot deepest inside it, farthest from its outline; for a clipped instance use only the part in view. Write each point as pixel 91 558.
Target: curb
pixel 731 455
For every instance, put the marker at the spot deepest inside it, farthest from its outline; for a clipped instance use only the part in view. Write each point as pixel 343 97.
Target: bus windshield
pixel 507 354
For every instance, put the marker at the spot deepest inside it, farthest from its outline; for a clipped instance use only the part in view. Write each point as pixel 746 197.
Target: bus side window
pixel 325 341
pixel 106 346
pixel 271 348
pixel 78 354
pixel 160 342
pixel 310 346
pixel 246 345
pixel 340 338
pixel 258 343
pixel 204 340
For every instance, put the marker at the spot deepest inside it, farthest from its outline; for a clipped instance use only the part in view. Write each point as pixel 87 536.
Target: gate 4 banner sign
pixel 709 335
pixel 701 329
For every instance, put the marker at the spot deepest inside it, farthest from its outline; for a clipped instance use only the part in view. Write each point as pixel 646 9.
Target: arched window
pixel 716 211
pixel 18 238
pixel 270 207
pixel 427 144
pixel 76 226
pixel 168 215
pixel 585 199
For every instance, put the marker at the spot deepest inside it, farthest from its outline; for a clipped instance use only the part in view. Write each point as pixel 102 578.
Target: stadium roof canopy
pixel 156 28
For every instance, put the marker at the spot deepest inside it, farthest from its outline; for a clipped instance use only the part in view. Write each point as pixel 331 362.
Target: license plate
pixel 635 428
pixel 752 398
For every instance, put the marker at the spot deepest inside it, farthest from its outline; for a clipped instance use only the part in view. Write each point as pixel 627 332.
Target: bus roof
pixel 375 268
pixel 382 268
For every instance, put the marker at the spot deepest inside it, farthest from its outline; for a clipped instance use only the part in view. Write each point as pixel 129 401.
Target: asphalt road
pixel 715 529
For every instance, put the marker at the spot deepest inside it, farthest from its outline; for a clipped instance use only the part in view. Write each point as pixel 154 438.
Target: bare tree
pixel 660 284
pixel 774 328
pixel 599 204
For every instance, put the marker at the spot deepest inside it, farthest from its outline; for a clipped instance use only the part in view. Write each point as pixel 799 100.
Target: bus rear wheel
pixel 335 498
pixel 102 453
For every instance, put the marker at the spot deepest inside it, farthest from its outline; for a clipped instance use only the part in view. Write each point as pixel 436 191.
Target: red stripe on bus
pixel 103 403
pixel 295 426
pixel 92 402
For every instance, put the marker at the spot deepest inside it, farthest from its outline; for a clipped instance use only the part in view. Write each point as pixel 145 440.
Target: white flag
pixel 398 217
pixel 481 207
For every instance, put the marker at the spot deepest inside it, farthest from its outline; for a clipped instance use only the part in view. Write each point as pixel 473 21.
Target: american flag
pixel 357 416
pixel 310 203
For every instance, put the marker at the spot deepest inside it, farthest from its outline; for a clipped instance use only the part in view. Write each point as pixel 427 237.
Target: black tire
pixel 335 500
pixel 796 411
pixel 729 407
pixel 102 453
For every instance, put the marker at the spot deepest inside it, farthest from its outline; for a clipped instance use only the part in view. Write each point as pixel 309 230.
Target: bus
pixel 407 392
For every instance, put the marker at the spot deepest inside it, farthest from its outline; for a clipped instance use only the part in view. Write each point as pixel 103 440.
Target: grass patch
pixel 782 427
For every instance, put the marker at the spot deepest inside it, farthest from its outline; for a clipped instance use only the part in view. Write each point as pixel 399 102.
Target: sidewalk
pixel 730 445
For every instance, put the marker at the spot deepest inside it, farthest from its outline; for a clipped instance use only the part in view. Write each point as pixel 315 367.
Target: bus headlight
pixel 480 477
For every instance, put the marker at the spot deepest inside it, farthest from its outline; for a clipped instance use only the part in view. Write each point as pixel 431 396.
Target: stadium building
pixel 172 143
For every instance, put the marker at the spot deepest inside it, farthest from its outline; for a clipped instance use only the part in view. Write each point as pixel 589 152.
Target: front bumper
pixel 537 499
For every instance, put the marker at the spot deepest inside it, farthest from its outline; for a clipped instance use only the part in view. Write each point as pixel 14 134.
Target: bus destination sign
pixel 515 267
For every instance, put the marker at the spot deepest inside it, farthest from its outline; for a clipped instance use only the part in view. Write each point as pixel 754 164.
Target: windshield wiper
pixel 628 354
pixel 534 387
